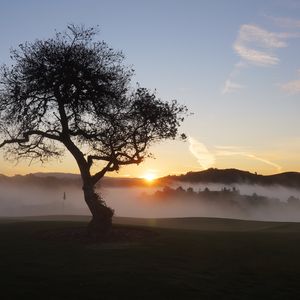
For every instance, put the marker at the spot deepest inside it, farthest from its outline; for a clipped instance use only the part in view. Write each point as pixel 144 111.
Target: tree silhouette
pixel 72 92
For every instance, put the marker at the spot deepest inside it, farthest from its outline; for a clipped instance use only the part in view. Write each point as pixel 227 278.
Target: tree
pixel 73 92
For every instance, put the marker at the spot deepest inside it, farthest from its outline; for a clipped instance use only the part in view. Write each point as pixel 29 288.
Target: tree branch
pixel 26 136
pixel 109 167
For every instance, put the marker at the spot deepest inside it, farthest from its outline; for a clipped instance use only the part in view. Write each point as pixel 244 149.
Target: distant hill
pixel 224 176
pixel 232 176
pixel 51 180
pixel 57 175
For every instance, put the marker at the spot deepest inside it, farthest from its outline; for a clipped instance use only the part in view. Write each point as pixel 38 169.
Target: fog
pixel 137 202
pixel 275 191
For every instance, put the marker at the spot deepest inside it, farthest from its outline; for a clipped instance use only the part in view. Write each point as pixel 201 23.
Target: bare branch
pixel 96 177
pixel 26 137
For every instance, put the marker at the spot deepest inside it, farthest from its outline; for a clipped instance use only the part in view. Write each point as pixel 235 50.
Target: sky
pixel 235 64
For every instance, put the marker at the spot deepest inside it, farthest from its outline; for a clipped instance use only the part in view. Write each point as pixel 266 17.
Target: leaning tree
pixel 72 92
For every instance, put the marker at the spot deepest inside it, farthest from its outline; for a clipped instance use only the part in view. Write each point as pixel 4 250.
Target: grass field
pixel 190 258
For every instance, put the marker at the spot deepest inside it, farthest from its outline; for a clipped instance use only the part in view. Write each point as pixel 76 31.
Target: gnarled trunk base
pixel 101 222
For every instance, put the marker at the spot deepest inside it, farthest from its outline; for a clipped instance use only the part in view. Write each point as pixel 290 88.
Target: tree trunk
pixel 101 222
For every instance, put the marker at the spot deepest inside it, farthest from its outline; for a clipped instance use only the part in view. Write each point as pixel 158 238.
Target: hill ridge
pixel 213 175
pixel 232 176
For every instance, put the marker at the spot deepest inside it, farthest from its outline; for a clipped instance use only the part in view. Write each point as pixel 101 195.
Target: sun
pixel 149 177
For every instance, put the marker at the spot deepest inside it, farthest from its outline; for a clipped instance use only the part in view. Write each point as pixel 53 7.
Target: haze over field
pixel 18 199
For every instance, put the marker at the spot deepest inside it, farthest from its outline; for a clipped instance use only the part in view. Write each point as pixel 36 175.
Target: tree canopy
pixel 75 92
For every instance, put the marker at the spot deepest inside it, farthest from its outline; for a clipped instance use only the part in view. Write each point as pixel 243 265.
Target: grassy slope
pixel 228 259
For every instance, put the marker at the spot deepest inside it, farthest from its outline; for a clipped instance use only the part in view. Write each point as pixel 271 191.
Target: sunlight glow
pixel 149 177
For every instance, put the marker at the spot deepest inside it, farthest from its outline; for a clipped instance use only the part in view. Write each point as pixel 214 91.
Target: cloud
pixel 256 45
pixel 285 22
pixel 264 38
pixel 257 57
pixel 228 147
pixel 292 87
pixel 205 158
pixel 248 155
pixel 230 87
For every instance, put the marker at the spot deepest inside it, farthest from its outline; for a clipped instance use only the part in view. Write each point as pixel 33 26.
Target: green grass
pixel 209 259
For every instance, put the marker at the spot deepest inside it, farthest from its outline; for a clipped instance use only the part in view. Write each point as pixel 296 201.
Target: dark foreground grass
pixel 176 264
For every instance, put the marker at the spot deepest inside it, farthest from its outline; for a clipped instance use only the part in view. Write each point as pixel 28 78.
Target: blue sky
pixel 235 64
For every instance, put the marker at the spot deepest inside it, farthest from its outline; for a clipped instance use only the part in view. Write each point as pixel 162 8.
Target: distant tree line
pixel 225 196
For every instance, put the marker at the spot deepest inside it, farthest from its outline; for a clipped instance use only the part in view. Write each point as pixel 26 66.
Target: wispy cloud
pixel 248 155
pixel 256 45
pixel 230 87
pixel 207 158
pixel 285 22
pixel 291 87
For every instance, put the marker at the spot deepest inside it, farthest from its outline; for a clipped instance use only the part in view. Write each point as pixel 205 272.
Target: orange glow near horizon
pixel 149 177
pixel 171 158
